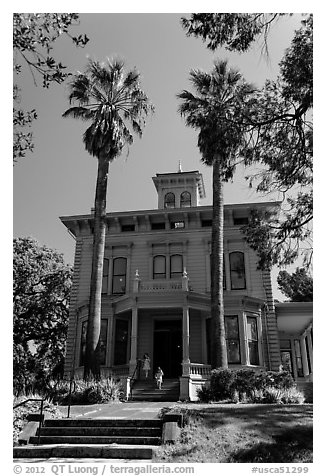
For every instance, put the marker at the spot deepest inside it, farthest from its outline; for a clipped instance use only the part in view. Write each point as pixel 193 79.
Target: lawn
pixel 243 433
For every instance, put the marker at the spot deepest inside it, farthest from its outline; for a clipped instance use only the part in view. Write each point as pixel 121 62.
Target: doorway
pixel 168 347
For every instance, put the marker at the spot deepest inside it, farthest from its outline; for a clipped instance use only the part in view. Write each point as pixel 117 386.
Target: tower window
pixel 185 200
pixel 169 200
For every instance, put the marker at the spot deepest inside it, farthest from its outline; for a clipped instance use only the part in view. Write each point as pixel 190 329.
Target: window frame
pixel 168 203
pixel 176 274
pixel 116 275
pixel 232 339
pixel 253 343
pixel 126 349
pixel 239 253
pixel 159 275
pixel 183 201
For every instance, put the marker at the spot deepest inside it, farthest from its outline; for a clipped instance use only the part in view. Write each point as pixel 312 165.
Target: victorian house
pixel 156 293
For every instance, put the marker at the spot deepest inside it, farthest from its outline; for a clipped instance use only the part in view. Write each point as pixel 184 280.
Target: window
pixel 286 358
pixel 158 226
pixel 185 200
pixel 119 275
pixel 127 227
pixel 308 354
pixel 252 333
pixel 103 341
pixel 159 267
pixel 298 357
pixel 121 342
pixel 169 200
pixel 237 270
pixel 176 266
pixel 232 339
pixel 105 279
pixel 240 221
pixel 206 223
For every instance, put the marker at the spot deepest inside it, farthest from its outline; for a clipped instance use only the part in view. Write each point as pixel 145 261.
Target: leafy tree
pixel 282 142
pixel 298 286
pixel 34 35
pixel 41 287
pixel 222 98
pixel 112 100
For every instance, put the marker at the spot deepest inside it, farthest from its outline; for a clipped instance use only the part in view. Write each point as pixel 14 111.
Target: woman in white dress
pixel 146 364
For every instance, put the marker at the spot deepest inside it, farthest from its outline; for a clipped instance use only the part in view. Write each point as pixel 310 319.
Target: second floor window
pixel 119 276
pixel 169 200
pixel 176 266
pixel 237 270
pixel 159 269
pixel 185 200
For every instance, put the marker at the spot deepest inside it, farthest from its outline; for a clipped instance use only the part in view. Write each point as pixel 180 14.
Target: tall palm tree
pixel 218 111
pixel 112 100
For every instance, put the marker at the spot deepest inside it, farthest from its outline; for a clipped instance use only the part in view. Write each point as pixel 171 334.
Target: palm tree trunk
pixel 92 354
pixel 218 346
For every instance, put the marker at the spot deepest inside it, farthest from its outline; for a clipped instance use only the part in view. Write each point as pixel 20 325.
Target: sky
pixel 59 177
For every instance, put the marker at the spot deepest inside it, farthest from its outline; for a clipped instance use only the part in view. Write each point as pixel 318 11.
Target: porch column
pixel 134 337
pixel 304 357
pixel 185 340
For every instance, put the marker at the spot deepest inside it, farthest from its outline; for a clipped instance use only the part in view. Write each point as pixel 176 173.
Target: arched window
pixel 119 275
pixel 185 200
pixel 159 267
pixel 169 200
pixel 176 266
pixel 237 270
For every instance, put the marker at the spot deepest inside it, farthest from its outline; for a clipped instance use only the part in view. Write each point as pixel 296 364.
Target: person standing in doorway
pixel 159 377
pixel 146 364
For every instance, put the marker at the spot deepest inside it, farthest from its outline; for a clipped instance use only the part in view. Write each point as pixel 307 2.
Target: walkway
pixel 124 411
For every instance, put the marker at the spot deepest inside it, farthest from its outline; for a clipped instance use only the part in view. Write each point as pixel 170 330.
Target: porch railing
pixel 201 370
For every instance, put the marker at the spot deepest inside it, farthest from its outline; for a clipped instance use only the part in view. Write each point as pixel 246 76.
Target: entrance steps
pixel 146 390
pixel 94 438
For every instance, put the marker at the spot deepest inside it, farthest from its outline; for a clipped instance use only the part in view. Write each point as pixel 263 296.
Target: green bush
pixel 83 393
pixel 246 385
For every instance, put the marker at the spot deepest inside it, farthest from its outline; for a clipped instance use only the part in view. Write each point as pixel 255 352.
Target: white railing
pixel 202 370
pixel 157 285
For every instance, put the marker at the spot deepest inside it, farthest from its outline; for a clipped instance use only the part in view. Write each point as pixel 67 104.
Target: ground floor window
pixel 298 357
pixel 286 356
pixel 103 342
pixel 121 342
pixel 231 324
pixel 252 333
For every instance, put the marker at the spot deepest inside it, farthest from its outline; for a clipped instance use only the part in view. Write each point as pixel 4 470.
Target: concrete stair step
pixel 100 431
pixel 84 451
pixel 102 422
pixel 97 440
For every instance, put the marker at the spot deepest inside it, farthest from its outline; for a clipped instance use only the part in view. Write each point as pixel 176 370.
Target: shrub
pixel 246 385
pixel 222 384
pixel 83 393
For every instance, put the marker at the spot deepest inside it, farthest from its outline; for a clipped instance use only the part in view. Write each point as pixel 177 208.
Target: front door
pixel 168 347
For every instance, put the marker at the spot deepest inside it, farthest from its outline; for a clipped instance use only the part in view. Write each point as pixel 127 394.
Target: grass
pixel 245 433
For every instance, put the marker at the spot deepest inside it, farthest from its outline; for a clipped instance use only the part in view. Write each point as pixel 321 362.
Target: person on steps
pixel 146 364
pixel 159 377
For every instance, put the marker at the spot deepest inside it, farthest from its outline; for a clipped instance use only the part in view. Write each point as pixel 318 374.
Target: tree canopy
pixel 34 36
pixel 298 286
pixel 281 138
pixel 41 287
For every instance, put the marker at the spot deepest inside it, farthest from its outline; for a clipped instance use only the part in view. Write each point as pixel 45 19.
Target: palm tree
pixel 112 100
pixel 218 112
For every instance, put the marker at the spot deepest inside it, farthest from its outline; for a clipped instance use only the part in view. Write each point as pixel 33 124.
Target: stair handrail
pixel 133 378
pixel 42 400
